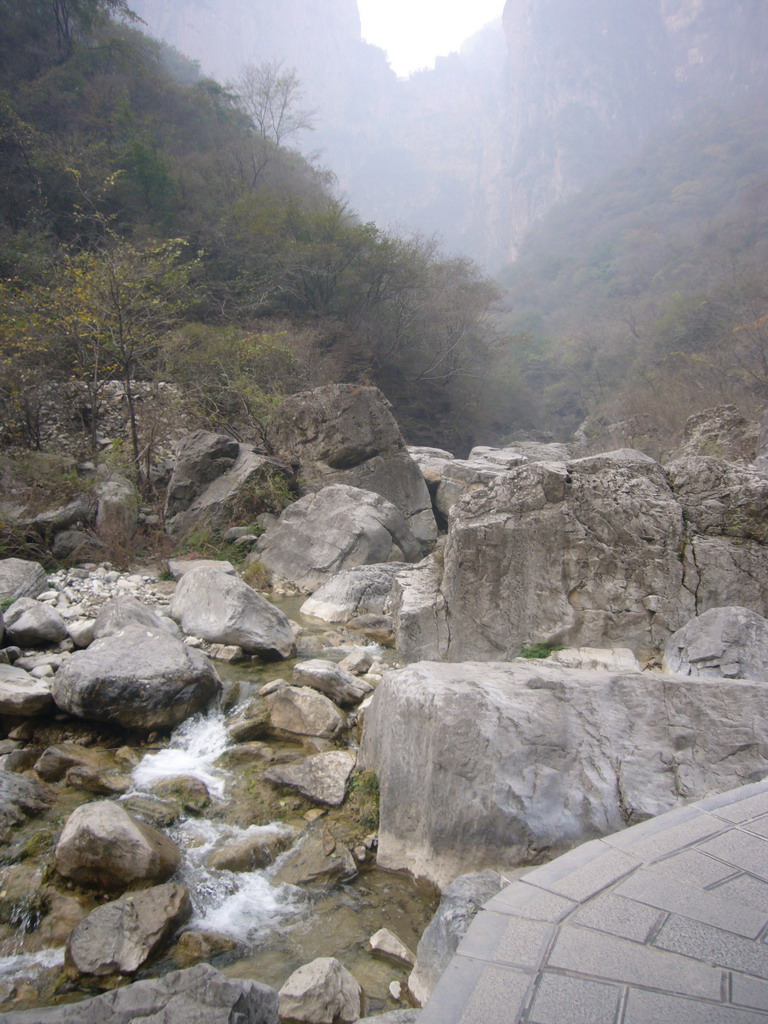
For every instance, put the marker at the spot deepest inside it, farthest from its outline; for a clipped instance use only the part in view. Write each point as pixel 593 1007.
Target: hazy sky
pixel 414 32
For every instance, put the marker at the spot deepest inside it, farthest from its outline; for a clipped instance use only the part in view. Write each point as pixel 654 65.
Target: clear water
pixel 194 748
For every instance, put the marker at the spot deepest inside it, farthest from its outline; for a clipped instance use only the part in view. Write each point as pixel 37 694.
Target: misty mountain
pixel 531 110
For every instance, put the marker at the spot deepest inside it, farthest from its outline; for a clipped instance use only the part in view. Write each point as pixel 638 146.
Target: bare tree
pixel 271 95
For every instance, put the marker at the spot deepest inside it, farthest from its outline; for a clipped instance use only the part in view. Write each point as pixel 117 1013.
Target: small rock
pixel 386 944
pixel 322 992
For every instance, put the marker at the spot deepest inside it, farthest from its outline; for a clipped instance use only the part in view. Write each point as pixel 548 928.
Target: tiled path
pixel 665 923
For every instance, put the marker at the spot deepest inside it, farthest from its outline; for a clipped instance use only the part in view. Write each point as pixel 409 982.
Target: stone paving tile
pixel 743 850
pixel 694 868
pixel 528 901
pixel 746 889
pixel 506 940
pixel 646 886
pixel 738 804
pixel 758 826
pixel 470 992
pixel 596 872
pixel 576 1000
pixel 669 832
pixel 750 992
pixel 705 943
pixel 586 952
pixel 616 915
pixel 657 1008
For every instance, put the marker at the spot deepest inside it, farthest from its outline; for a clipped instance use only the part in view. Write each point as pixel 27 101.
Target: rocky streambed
pixel 271 831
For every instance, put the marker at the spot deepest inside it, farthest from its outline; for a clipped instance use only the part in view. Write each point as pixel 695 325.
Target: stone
pixel 321 778
pixel 197 995
pixel 358 661
pixel 223 609
pixel 361 590
pixel 721 498
pixel 119 937
pixel 138 678
pixel 202 456
pixel 125 610
pixel 103 847
pixel 29 623
pixel 318 860
pixel 117 512
pixel 321 992
pixel 336 528
pixel 179 567
pixel 494 765
pixel 99 782
pixel 332 680
pixel 347 434
pixel 614 659
pixel 194 946
pixel 721 432
pixel 730 642
pixel 22 695
pixel 304 712
pixel 387 945
pixel 56 520
pixel 21 798
pixel 462 476
pixel 73 544
pixel 80 632
pixel 251 852
pixel 418 610
pixel 459 904
pixel 55 761
pixel 187 790
pixel 21 578
pixel 249 721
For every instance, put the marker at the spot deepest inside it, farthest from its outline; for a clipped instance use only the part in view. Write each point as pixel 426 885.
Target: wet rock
pixel 249 721
pixel 730 642
pixel 153 810
pixel 459 904
pixel 188 791
pixel 321 778
pixel 55 761
pixel 21 578
pixel 21 798
pixel 387 945
pixel 29 623
pixel 198 995
pixel 319 860
pixel 304 712
pixel 120 936
pixel 103 847
pixel 23 695
pixel 125 610
pixel 321 992
pixel 361 590
pixel 138 678
pixel 194 946
pixel 334 529
pixel 251 852
pixel 223 609
pixel 100 783
pixel 332 680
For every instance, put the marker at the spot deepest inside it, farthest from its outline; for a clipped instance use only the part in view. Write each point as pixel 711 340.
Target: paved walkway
pixel 665 922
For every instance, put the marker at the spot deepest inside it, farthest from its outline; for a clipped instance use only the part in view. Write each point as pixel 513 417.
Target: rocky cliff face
pixel 532 110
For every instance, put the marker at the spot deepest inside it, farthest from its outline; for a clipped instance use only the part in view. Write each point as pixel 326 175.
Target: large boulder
pixel 332 680
pixel 321 778
pixel 201 458
pixel 302 711
pixel 22 694
pixel 138 678
pixel 459 904
pixel 361 590
pixel 125 610
pixel 223 609
pixel 233 491
pixel 31 623
pixel 104 847
pixel 321 992
pixel 21 798
pixel 118 937
pixel 727 642
pixel 494 765
pixel 346 434
pixel 198 995
pixel 117 510
pixel 21 578
pixel 334 529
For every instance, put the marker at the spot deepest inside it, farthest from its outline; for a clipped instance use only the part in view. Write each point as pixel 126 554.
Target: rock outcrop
pixel 729 643
pixel 493 765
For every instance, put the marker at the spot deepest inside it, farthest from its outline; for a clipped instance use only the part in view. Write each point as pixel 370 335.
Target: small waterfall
pixel 194 747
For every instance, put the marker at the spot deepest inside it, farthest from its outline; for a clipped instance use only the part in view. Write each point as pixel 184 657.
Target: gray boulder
pixel 22 694
pixel 346 434
pixel 318 860
pixel 332 680
pixel 55 761
pixel 721 498
pixel 361 590
pixel 727 642
pixel 223 609
pixel 322 992
pixel 117 510
pixel 198 995
pixel 321 778
pixel 125 610
pixel 118 937
pixel 104 847
pixel 461 476
pixel 304 712
pixel 21 798
pixel 29 623
pixel 334 529
pixel 493 765
pixel 21 578
pixel 202 457
pixel 138 678
pixel 179 567
pixel 459 904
